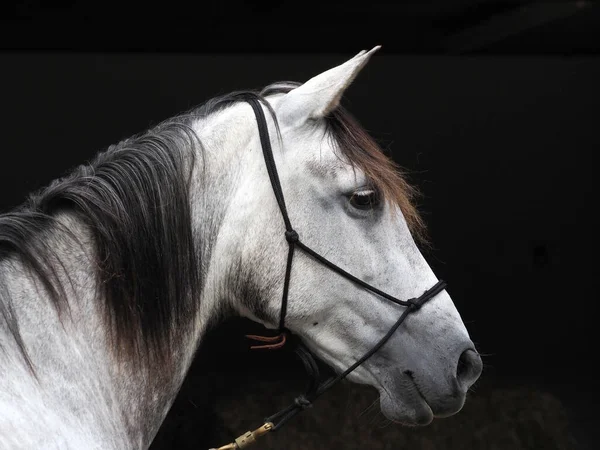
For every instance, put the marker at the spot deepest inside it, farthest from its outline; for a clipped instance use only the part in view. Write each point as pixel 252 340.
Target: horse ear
pixel 321 94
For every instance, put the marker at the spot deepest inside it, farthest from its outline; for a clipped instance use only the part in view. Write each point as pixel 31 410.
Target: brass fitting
pixel 248 438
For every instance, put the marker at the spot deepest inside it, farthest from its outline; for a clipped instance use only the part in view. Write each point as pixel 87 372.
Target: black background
pixel 493 108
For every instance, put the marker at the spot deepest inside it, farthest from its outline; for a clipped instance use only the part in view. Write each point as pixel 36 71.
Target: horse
pixel 111 275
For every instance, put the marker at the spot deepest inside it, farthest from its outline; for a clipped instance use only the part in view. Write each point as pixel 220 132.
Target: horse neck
pixel 226 160
pixel 80 395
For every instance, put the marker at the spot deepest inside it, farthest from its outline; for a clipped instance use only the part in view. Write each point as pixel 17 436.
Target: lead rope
pixel 314 389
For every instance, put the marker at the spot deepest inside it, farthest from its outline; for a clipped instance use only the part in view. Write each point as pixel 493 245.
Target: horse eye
pixel 366 199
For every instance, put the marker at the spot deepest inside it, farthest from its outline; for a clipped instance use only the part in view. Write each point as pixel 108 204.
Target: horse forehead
pixel 326 165
pixel 322 168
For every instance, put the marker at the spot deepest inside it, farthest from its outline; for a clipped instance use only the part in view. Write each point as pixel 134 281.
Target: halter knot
pixel 415 303
pixel 292 236
pixel 302 402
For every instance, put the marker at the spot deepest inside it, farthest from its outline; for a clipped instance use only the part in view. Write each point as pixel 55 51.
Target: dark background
pixel 493 108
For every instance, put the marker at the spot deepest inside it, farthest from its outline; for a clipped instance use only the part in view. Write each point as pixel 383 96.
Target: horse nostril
pixel 468 369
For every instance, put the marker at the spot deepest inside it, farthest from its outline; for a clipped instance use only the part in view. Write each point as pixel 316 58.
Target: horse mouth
pixel 412 410
pixel 422 419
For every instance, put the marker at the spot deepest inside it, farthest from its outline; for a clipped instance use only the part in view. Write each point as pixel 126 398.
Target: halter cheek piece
pixel 315 389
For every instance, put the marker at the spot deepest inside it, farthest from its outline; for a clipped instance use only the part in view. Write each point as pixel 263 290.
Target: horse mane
pixel 134 198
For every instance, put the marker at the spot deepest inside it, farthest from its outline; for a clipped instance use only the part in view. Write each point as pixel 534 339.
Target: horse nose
pixel 468 369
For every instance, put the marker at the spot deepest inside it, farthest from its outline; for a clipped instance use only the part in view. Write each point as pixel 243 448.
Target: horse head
pixel 350 203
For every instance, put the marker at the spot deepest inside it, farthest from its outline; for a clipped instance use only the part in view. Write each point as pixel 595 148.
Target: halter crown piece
pixel 315 389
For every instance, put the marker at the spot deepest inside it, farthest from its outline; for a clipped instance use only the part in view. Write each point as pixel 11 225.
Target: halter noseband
pixel 315 389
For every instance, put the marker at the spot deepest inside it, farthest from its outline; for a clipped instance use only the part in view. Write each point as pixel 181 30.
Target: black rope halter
pixel 315 389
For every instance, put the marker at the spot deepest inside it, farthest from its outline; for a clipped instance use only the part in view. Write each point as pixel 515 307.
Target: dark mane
pixel 134 198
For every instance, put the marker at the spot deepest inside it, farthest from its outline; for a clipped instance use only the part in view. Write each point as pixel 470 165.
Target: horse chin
pixel 410 410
